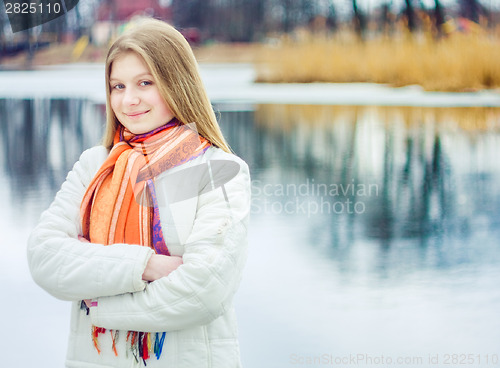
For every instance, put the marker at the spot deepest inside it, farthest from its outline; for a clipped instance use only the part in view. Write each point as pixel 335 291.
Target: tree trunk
pixel 470 10
pixel 438 18
pixel 359 20
pixel 410 16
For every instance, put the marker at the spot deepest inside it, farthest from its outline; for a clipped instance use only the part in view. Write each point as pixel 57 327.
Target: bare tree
pixel 410 16
pixel 385 21
pixel 359 20
pixel 470 9
pixel 331 19
pixel 438 18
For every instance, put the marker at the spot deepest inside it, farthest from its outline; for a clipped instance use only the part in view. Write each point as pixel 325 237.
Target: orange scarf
pixel 119 205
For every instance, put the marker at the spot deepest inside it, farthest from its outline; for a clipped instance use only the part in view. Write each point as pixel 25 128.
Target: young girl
pixel 147 235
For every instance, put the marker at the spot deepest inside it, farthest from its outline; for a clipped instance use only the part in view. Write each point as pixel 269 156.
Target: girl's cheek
pixel 115 103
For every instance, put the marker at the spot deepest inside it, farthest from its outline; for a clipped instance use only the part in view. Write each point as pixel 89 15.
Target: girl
pixel 147 236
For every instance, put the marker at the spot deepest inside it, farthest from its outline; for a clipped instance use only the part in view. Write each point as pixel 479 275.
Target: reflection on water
pixel 406 197
pixel 41 140
pixel 396 175
pixel 423 175
pixel 376 229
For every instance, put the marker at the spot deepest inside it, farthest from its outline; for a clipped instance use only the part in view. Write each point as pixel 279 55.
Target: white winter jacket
pixel 204 207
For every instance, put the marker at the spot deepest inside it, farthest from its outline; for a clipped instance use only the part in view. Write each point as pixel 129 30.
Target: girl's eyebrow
pixel 138 76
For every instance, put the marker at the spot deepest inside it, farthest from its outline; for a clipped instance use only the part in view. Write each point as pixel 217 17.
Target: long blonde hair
pixel 171 61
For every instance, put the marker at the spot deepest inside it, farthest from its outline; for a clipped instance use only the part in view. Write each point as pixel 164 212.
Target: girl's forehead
pixel 128 64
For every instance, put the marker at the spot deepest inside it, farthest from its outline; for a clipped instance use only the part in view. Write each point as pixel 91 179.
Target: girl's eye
pixel 145 83
pixel 118 86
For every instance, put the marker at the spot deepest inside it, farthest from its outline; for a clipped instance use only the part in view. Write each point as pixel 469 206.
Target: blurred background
pixel 372 130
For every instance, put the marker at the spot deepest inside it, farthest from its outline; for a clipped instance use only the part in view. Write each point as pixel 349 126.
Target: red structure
pixel 123 10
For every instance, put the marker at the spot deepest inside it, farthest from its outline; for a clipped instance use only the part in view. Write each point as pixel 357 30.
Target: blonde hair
pixel 171 61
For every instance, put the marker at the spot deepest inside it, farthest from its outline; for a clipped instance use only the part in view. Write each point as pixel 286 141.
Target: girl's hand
pixel 160 266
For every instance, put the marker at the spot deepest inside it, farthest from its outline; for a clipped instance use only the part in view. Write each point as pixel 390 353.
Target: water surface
pixel 374 231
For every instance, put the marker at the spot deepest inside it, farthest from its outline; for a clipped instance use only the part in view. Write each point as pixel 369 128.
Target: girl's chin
pixel 140 128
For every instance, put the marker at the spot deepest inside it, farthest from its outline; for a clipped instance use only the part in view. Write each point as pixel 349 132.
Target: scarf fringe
pixel 140 344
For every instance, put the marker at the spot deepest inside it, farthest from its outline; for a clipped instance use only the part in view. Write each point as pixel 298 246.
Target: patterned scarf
pixel 120 204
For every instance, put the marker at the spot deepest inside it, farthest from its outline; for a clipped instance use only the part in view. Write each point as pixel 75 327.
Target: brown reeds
pixel 459 62
pixel 469 119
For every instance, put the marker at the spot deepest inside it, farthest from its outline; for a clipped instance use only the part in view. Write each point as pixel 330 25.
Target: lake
pixel 374 237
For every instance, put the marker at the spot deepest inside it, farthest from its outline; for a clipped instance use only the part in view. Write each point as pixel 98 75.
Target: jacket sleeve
pixel 202 288
pixel 70 269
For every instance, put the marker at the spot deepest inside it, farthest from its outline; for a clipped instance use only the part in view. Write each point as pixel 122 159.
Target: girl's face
pixel 135 98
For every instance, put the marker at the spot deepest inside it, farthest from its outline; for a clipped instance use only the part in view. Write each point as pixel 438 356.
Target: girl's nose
pixel 131 97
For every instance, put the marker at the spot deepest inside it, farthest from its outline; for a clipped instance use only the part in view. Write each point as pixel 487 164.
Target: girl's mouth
pixel 136 114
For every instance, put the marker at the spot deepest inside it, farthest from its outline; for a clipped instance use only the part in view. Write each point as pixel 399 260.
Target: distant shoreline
pixel 233 83
pixel 62 54
pixel 222 55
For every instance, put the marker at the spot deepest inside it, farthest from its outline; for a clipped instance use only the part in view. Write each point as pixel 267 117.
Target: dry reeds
pixel 468 119
pixel 459 62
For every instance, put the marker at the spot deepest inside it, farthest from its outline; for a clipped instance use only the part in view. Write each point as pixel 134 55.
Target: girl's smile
pixel 139 114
